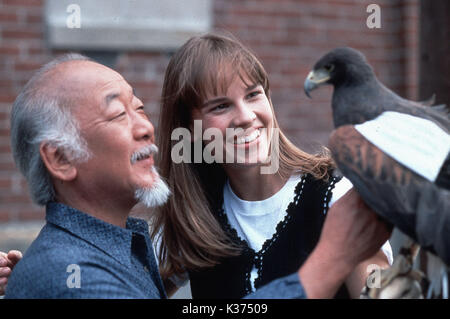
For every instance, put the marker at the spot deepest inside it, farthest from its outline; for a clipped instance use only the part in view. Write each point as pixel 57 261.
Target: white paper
pixel 417 143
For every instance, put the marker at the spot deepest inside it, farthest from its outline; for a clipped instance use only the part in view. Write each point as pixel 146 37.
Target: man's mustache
pixel 144 153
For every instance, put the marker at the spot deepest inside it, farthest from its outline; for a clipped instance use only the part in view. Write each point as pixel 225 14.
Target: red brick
pixel 4 216
pixel 21 34
pixel 24 3
pixel 6 167
pixel 36 50
pixel 27 66
pixel 8 198
pixel 5 149
pixel 5 183
pixel 8 17
pixel 31 215
pixel 9 49
pixel 33 19
pixel 7 98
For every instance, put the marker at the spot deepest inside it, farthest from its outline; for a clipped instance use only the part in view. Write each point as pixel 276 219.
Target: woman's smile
pixel 247 138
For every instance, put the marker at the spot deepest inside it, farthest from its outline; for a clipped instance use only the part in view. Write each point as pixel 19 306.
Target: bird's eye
pixel 329 67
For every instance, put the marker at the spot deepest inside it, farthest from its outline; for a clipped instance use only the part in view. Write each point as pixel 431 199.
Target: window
pixel 125 25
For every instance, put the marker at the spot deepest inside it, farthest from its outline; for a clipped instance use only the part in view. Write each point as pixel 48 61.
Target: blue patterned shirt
pixel 79 256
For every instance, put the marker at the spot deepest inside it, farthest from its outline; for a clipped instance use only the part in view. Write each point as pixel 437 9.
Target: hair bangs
pixel 216 65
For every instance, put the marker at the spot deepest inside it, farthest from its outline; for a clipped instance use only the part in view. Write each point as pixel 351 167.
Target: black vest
pixel 283 254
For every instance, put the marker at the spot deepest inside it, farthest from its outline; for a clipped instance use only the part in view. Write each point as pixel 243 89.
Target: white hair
pixel 39 115
pixel 153 196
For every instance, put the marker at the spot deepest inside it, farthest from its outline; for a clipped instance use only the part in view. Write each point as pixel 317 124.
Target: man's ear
pixel 57 163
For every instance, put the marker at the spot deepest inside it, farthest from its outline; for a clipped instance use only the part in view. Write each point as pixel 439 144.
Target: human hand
pixel 352 233
pixel 7 263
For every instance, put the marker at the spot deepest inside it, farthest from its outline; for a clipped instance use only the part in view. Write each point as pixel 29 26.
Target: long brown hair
pixel 191 237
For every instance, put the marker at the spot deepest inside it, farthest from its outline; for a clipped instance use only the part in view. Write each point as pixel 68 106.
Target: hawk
pixel 396 152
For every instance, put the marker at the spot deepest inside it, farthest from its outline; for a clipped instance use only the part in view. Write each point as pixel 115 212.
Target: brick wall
pixel 287 35
pixel 22 50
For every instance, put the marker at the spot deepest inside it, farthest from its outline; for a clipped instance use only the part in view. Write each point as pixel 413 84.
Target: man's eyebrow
pixel 111 97
pixel 115 95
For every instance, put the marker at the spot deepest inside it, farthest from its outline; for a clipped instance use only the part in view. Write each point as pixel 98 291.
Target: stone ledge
pixel 19 235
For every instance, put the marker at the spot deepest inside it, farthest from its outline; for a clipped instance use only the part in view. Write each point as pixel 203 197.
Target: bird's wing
pixel 417 143
pixel 439 114
pixel 411 202
pixel 390 101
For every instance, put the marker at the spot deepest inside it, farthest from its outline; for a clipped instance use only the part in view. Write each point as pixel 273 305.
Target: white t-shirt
pixel 256 221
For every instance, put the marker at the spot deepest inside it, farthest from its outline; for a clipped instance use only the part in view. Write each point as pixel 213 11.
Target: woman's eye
pixel 219 107
pixel 253 94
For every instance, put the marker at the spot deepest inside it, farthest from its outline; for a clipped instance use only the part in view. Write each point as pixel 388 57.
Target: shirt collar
pixel 111 239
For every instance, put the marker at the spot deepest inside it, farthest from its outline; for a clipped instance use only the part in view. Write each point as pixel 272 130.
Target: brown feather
pixel 415 205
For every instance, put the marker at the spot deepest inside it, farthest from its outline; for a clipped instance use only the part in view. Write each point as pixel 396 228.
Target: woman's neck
pixel 249 184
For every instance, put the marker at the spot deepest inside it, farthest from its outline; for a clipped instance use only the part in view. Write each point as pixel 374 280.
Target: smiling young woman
pixel 231 228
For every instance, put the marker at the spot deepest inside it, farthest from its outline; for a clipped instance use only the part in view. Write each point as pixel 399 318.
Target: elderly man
pixel 85 145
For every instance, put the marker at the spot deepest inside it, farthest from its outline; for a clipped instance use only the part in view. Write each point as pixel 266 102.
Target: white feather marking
pixel 417 143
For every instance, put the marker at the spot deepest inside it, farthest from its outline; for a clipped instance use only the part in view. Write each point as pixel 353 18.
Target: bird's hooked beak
pixel 315 79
